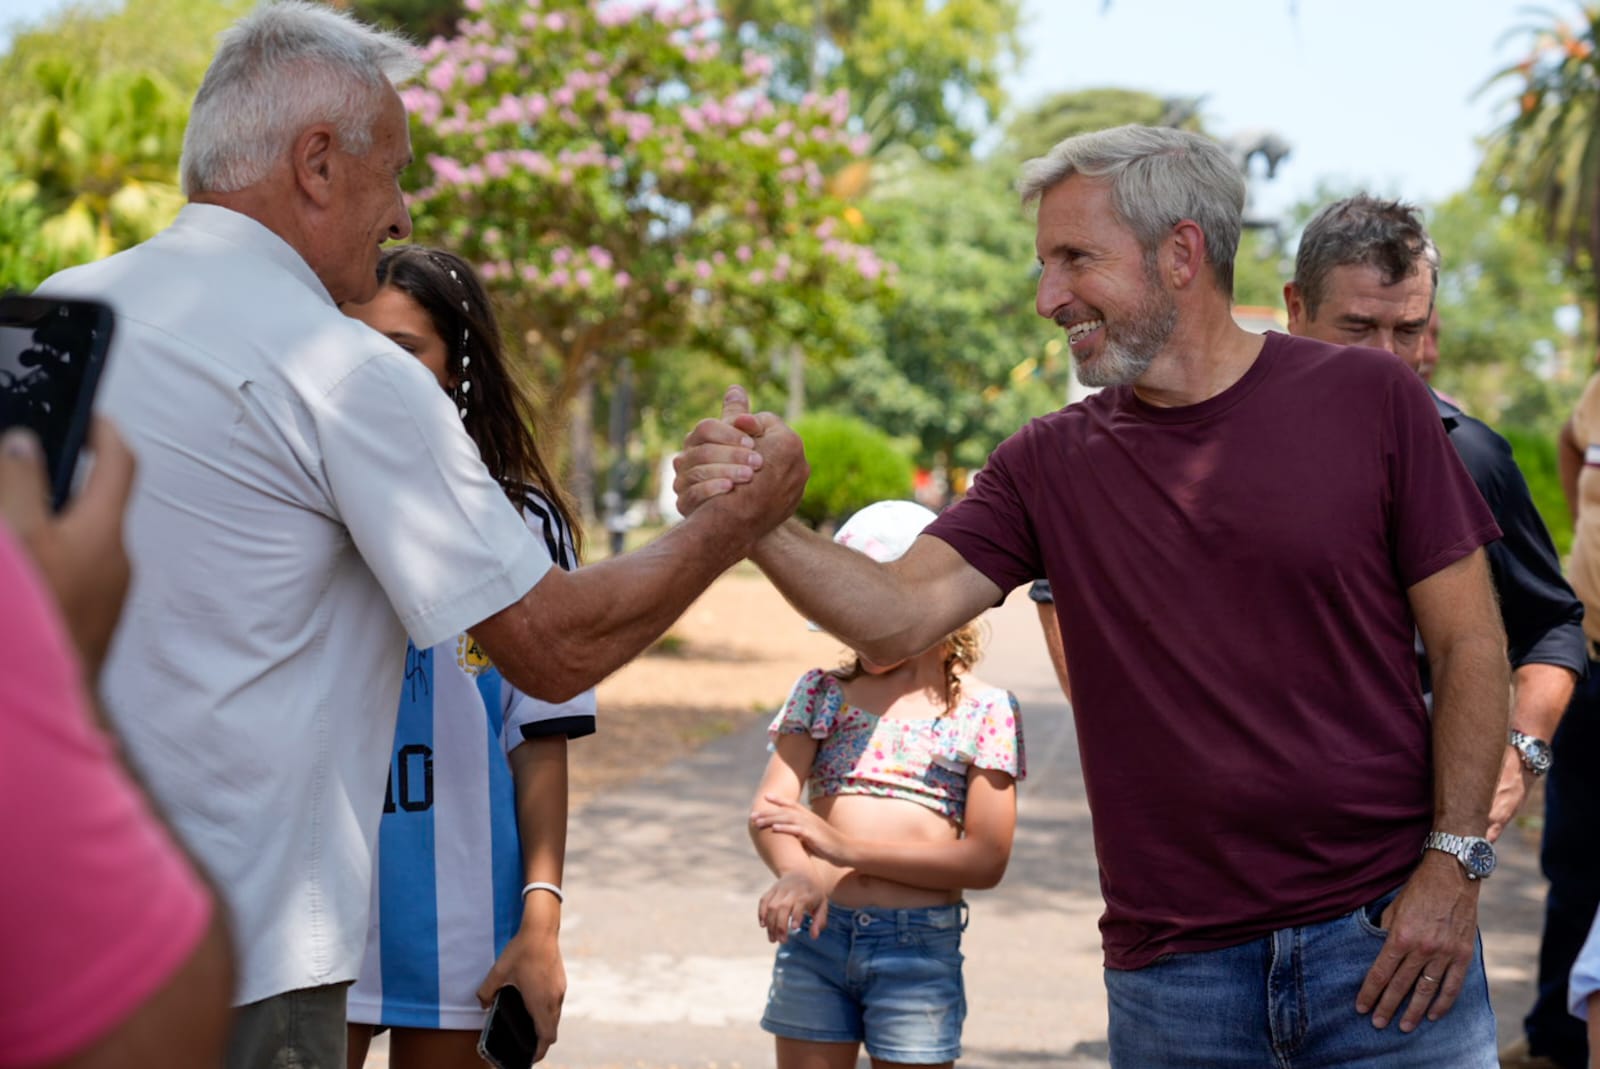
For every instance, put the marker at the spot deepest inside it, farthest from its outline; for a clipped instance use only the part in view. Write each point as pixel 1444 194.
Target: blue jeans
pixel 891 977
pixel 1287 1001
pixel 1571 862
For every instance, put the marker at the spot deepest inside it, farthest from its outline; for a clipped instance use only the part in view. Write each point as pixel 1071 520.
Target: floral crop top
pixel 923 761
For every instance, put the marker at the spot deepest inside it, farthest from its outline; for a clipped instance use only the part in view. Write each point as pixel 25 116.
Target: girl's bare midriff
pixel 859 816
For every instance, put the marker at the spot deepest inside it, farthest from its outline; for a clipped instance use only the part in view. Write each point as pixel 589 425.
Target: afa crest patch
pixel 471 658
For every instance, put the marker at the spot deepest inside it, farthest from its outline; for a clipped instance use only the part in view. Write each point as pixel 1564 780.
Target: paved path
pixel 668 969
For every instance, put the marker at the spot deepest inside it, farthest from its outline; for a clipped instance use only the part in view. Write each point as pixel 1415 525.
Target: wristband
pixel 540 885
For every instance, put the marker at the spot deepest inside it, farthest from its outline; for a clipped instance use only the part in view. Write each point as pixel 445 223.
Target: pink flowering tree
pixel 630 189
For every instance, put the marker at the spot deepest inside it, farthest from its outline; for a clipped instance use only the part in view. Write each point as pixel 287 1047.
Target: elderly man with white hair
pixel 307 497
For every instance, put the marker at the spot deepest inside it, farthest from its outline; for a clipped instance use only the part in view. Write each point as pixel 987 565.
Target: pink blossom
pixel 554 22
pixel 757 65
pixel 562 255
pixel 600 257
pixel 564 96
pixel 788 156
pixel 623 280
pixel 475 74
pixel 449 172
pixel 443 76
pixel 743 253
pixel 702 271
pixel 559 278
pixel 584 278
pixel 758 277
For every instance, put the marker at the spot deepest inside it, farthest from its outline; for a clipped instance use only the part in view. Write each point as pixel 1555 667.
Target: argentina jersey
pixel 447 893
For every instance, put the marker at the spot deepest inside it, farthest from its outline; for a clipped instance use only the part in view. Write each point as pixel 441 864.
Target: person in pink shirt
pixel 111 949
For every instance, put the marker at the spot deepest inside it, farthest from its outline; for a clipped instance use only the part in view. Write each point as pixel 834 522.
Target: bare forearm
pixel 955 865
pixel 539 771
pixel 1569 462
pixel 783 854
pixel 1050 624
pixel 1542 692
pixel 887 611
pixel 1470 720
pixel 575 628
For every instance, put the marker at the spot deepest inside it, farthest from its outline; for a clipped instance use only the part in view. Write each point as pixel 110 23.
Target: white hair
pixel 281 68
pixel 1158 176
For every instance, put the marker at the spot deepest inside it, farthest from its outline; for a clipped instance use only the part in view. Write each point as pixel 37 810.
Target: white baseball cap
pixel 884 530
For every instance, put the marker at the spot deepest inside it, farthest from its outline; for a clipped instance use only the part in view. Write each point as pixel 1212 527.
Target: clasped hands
pixel 720 455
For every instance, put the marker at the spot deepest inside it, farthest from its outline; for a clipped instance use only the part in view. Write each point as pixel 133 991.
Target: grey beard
pixel 1126 358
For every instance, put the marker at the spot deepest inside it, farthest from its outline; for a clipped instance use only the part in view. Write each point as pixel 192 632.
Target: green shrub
pixel 1536 456
pixel 853 464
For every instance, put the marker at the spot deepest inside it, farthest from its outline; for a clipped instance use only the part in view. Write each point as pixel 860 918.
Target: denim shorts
pixel 1288 1000
pixel 890 977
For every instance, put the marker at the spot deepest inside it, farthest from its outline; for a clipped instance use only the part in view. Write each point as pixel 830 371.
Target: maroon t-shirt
pixel 1231 581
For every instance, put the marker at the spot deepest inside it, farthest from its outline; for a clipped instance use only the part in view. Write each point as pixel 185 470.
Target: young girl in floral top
pixel 912 771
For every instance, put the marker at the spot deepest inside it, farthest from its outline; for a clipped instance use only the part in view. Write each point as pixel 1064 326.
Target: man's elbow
pixel 555 681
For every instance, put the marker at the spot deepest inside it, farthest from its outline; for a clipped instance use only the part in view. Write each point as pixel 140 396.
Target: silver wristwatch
pixel 1534 751
pixel 1475 854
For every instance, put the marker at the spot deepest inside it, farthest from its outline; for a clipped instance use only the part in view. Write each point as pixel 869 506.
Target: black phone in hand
pixel 51 353
pixel 509 1039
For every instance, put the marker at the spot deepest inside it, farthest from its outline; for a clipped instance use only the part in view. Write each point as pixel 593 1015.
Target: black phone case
pixel 509 1038
pixel 52 388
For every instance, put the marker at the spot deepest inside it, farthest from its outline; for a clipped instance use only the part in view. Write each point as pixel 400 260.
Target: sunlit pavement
pixel 667 968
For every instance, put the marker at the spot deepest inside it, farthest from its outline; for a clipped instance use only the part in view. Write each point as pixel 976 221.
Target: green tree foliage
pixel 1536 456
pixel 853 464
pixel 627 186
pixel 921 73
pixel 95 106
pixel 1548 153
pixel 961 359
pixel 422 20
pixel 1035 130
pixel 1507 348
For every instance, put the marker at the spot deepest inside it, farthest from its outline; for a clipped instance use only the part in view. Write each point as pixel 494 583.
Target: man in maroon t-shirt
pixel 1227 506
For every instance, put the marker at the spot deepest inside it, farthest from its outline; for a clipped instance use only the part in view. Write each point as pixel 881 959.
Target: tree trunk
pixel 580 428
pixel 796 406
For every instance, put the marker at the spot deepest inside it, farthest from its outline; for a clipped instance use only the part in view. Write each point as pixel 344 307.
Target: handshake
pixel 748 464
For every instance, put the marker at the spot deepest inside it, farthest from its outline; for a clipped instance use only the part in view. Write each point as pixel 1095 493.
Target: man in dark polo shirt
pixel 1229 504
pixel 1365 274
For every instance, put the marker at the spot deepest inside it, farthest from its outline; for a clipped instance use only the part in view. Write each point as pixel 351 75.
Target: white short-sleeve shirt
pixel 306 496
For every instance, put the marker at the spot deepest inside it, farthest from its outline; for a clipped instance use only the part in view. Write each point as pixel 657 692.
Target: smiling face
pixel 369 209
pixel 1099 285
pixel 1357 308
pixel 399 317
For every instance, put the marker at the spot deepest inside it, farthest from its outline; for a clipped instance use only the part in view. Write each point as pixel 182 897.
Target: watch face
pixel 1538 755
pixel 1479 857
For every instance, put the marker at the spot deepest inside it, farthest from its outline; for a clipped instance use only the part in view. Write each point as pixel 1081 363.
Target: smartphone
pixel 508 1040
pixel 51 354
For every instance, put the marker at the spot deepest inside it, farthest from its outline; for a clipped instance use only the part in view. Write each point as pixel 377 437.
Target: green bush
pixel 1536 456
pixel 853 464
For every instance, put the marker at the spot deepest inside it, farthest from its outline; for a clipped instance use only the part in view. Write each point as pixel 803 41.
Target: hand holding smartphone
pixel 509 1039
pixel 51 353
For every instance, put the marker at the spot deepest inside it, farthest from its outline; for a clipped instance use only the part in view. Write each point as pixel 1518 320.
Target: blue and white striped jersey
pixel 446 897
